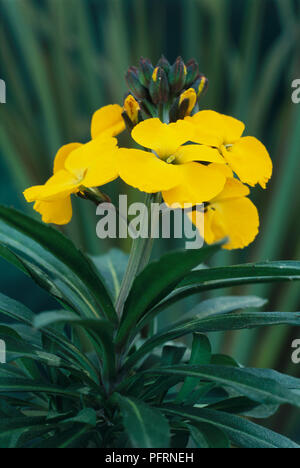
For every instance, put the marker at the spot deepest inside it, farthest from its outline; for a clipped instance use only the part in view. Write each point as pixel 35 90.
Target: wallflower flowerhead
pixel 78 166
pixel 246 156
pixel 230 215
pixel 172 168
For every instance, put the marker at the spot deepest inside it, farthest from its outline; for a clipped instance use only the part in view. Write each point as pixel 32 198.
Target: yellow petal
pixel 146 172
pixel 102 170
pixel 232 189
pixel 224 168
pixel 32 193
pixel 58 186
pixel 250 160
pixel 214 129
pixel 207 128
pixel 233 129
pixel 56 212
pixel 199 184
pixel 162 138
pixel 95 161
pixel 62 154
pixel 236 219
pixel 108 120
pixel 189 153
pixel 208 235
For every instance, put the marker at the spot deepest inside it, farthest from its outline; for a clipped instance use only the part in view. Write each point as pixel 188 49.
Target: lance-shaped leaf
pixel 223 277
pixel 101 332
pixel 259 388
pixel 235 321
pixel 145 426
pixel 18 312
pixel 214 306
pixel 58 255
pixel 156 281
pixel 241 432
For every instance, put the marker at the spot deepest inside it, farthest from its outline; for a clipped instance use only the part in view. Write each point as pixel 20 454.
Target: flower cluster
pixel 191 156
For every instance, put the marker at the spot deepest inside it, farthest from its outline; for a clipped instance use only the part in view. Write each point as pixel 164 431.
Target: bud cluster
pixel 163 90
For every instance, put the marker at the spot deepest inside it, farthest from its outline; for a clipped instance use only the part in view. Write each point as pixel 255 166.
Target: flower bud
pixel 192 72
pixel 177 76
pixel 200 85
pixel 133 83
pixel 164 64
pixel 132 109
pixel 145 72
pixel 187 102
pixel 159 86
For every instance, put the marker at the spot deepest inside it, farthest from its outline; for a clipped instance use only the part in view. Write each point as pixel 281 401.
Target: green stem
pixel 139 256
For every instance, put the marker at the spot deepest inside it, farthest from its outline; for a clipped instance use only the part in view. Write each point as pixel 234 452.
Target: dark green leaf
pixel 17 385
pixel 18 312
pixel 146 427
pixel 258 388
pixel 226 304
pixel 201 354
pixel 208 436
pixel 112 267
pixel 100 330
pixel 233 321
pixel 241 432
pixel 246 407
pixel 77 437
pixel 156 282
pixel 86 416
pixel 223 277
pixel 53 251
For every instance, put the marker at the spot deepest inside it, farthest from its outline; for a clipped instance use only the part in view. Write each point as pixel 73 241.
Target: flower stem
pixel 139 256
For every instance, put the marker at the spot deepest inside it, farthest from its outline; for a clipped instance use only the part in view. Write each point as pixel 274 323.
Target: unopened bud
pixel 159 86
pixel 145 72
pixel 164 64
pixel 177 75
pixel 132 109
pixel 187 102
pixel 200 85
pixel 133 83
pixel 192 72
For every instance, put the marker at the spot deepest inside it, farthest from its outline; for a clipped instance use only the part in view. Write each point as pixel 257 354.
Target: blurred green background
pixel 63 59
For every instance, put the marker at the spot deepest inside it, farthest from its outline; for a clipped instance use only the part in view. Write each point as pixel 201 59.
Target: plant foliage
pixel 80 377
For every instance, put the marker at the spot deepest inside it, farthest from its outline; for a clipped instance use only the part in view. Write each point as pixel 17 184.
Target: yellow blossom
pixel 230 214
pixel 79 166
pixel 246 156
pixel 172 168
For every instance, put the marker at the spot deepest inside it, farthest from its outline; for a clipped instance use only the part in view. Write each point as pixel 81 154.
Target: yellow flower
pixel 171 168
pixel 79 166
pixel 246 156
pixel 230 214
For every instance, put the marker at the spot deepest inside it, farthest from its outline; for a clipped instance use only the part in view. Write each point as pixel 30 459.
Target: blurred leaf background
pixel 63 59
